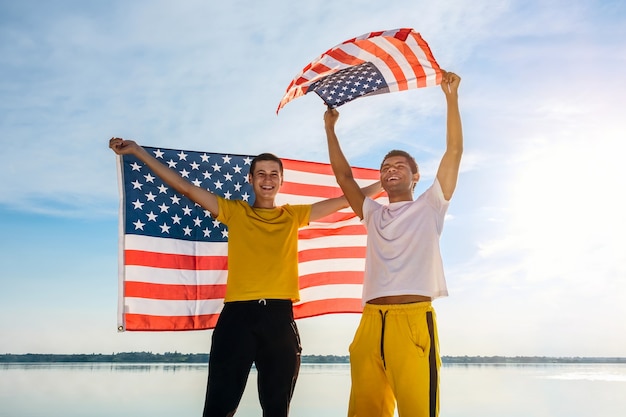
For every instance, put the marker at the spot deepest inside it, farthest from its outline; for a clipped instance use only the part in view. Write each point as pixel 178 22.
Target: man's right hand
pixel 123 147
pixel 330 118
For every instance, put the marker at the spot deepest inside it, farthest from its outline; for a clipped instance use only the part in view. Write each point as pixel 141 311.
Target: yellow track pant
pixel 394 358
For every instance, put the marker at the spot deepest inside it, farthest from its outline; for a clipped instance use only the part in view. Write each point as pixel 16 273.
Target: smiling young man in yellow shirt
pixel 256 324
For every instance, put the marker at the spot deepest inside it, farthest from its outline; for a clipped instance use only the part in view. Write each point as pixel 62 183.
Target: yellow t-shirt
pixel 262 250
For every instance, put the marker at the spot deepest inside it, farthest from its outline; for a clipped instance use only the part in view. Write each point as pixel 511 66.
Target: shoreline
pixel 201 358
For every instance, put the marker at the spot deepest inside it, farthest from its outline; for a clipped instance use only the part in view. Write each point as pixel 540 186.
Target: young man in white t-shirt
pixel 394 356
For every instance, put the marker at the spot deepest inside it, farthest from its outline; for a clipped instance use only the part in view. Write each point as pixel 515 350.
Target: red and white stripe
pixel 165 285
pixel 402 55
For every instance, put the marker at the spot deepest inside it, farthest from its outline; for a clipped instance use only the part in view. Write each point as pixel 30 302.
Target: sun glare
pixel 564 207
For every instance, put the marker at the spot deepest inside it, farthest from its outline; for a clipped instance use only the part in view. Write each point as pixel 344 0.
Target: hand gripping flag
pixel 173 254
pixel 373 63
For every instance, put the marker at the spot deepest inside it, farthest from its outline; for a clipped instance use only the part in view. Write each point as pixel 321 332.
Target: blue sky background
pixel 534 245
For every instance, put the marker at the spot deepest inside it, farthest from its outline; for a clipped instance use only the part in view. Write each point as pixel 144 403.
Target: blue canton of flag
pixel 350 83
pixel 152 208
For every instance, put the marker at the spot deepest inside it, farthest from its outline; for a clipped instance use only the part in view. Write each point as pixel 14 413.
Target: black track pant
pixel 262 332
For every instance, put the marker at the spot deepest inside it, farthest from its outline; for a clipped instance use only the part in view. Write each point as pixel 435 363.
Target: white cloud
pixel 187 75
pixel 538 215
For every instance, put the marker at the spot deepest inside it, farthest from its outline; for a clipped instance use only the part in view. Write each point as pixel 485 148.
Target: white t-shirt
pixel 403 254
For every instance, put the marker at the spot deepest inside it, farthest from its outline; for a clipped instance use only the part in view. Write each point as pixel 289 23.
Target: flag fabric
pixel 373 63
pixel 173 254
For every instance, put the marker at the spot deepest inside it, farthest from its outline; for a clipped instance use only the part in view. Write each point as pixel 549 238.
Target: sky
pixel 534 242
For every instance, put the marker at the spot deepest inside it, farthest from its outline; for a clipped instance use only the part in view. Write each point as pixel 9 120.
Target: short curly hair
pixel 409 158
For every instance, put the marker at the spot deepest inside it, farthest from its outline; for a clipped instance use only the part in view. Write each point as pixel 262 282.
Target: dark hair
pixel 266 157
pixel 409 158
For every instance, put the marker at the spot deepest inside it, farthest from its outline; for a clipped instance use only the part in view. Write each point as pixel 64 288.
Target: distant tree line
pixel 177 357
pixel 528 359
pixel 123 357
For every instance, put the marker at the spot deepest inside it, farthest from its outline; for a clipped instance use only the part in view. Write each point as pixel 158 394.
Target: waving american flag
pixel 373 63
pixel 173 254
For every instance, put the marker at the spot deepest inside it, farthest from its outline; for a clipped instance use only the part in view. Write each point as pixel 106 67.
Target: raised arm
pixel 448 171
pixel 325 207
pixel 199 195
pixel 341 168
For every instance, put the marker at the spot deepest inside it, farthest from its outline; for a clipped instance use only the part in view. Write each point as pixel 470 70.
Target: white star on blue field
pixel 533 244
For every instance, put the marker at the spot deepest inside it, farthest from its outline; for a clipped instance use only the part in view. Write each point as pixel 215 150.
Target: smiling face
pixel 266 181
pixel 398 177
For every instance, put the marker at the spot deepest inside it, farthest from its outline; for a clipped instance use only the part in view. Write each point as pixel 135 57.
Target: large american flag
pixel 373 63
pixel 173 254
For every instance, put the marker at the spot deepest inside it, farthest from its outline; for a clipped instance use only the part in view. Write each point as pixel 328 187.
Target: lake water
pixel 135 390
